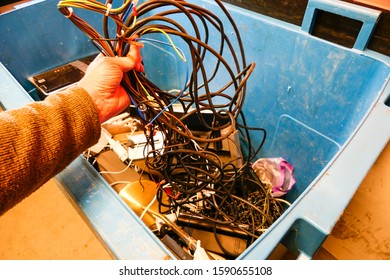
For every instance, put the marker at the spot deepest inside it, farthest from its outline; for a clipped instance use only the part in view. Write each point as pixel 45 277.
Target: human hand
pixel 102 81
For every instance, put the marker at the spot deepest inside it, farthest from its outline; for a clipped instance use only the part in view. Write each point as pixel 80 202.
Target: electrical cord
pixel 210 45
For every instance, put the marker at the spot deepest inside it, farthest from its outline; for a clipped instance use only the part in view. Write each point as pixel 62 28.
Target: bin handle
pixel 368 16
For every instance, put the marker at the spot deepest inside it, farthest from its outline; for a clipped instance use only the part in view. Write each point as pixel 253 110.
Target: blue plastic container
pixel 323 106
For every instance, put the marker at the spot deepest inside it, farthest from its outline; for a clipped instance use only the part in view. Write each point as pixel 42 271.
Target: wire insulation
pixel 196 179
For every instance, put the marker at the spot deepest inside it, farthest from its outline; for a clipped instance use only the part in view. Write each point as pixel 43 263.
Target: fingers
pixel 131 61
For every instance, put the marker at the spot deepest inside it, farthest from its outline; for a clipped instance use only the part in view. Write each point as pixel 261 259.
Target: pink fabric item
pixel 275 173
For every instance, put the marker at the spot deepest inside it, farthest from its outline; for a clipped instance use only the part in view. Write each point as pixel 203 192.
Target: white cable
pixel 119 182
pixel 147 207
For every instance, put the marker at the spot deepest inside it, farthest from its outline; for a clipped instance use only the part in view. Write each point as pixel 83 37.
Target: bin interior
pixel 308 94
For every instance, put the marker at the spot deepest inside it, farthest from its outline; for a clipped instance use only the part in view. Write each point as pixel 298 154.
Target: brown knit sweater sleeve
pixel 41 139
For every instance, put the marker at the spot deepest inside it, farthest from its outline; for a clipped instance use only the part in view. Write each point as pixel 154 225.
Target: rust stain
pixel 343 231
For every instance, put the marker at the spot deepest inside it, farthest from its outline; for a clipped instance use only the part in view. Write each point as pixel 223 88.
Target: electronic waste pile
pixel 185 154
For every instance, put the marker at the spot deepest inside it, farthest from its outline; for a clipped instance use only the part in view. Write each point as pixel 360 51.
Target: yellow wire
pixel 79 4
pixel 139 82
pixel 169 39
pixel 89 4
pixel 135 19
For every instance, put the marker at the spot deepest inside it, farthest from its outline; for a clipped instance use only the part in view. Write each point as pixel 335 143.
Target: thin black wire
pixel 188 171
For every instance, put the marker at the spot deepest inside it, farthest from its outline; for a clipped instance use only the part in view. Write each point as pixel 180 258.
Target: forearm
pixel 41 139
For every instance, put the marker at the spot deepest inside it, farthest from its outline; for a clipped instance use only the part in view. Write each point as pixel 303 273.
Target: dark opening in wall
pixel 292 11
pixel 337 29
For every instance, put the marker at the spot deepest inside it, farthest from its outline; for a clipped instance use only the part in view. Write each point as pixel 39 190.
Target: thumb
pixel 135 53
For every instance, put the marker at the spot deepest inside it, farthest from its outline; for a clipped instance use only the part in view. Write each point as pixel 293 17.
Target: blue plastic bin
pixel 323 106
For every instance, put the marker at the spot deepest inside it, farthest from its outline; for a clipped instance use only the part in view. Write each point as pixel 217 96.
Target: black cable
pixel 217 80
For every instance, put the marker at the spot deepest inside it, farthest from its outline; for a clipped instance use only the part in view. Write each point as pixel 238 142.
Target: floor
pixel 45 226
pixel 363 230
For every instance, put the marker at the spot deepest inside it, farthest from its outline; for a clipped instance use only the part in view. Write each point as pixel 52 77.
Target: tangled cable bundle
pixel 192 174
